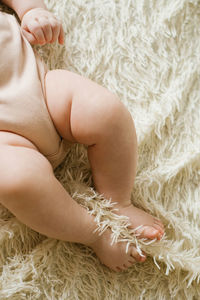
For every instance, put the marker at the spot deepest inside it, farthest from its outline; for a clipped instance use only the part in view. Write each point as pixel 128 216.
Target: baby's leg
pixel 29 189
pixel 85 112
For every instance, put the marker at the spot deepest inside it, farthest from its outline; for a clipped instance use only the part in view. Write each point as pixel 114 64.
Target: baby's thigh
pixel 13 139
pixel 66 92
pixel 20 163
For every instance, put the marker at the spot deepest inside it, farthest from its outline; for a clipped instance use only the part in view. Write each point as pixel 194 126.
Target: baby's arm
pixel 39 26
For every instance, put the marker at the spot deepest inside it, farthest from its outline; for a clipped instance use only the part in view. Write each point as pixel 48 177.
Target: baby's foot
pixel 152 228
pixel 115 256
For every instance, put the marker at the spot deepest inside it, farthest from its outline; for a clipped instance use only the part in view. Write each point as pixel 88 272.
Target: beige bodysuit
pixel 23 107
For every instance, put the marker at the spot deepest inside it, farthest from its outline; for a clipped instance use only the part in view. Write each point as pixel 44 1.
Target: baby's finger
pixel 57 31
pixel 35 29
pixel 61 37
pixel 55 27
pixel 46 28
pixel 31 39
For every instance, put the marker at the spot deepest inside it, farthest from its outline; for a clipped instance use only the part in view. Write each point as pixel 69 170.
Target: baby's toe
pixel 149 232
pixel 127 265
pixel 158 222
pixel 136 256
pixel 157 226
pixel 160 234
pixel 117 269
pixel 121 268
pixel 131 260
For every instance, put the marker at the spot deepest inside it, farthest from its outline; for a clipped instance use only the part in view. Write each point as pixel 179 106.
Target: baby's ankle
pixel 87 233
pixel 93 235
pixel 92 240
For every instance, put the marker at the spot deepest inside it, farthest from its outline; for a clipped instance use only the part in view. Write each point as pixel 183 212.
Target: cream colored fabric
pixel 22 94
pixel 147 51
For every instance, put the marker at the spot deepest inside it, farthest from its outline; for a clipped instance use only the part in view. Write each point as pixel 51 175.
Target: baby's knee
pixel 113 114
pixel 98 115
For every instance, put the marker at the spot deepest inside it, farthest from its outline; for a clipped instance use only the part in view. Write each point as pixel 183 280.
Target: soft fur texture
pixel 147 52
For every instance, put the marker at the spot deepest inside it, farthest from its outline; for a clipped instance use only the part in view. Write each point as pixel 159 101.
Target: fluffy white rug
pixel 147 52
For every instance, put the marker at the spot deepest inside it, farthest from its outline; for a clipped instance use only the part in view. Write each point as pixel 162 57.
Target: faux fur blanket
pixel 147 52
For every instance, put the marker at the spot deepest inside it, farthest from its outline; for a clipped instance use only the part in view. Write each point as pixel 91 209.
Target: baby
pixel 42 113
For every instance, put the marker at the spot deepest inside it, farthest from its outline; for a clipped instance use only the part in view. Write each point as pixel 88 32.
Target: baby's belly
pixel 22 105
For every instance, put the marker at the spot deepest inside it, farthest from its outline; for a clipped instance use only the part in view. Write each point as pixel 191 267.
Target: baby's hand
pixel 39 26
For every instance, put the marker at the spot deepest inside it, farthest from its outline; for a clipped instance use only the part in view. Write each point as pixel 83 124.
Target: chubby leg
pixel 29 189
pixel 85 112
